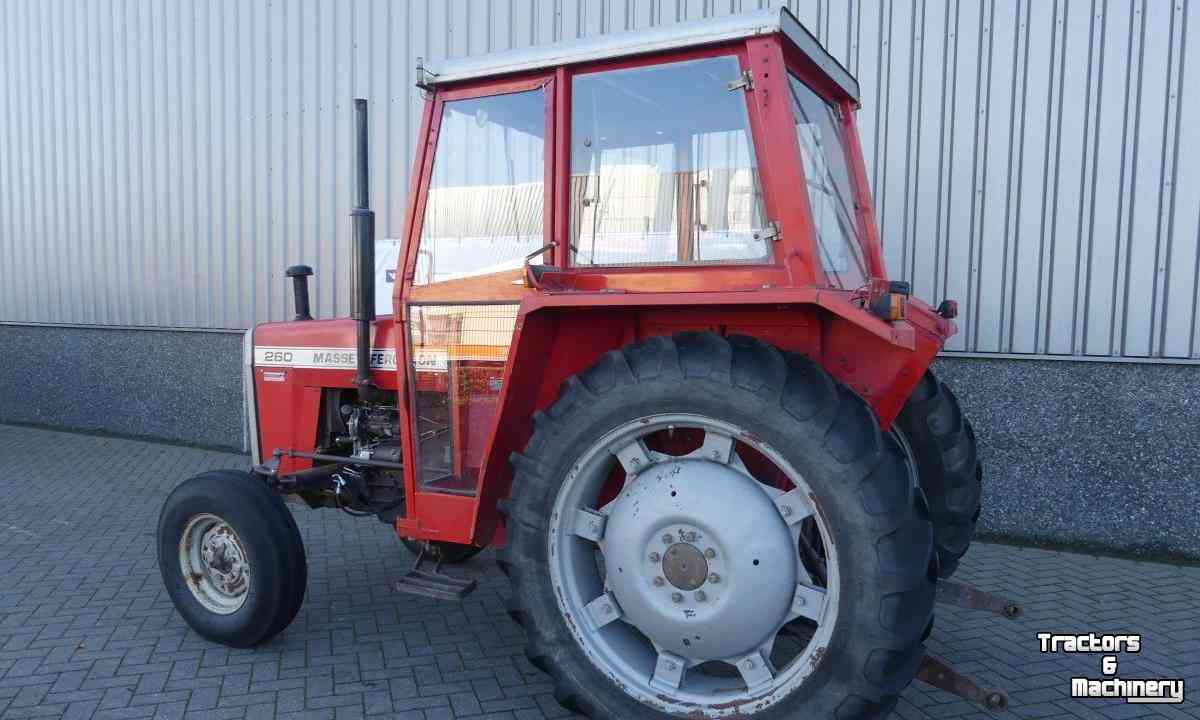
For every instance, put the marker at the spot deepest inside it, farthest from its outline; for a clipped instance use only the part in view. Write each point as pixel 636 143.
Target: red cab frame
pixel 571 315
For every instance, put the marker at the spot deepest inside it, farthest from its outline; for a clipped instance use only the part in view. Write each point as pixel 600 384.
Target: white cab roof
pixel 640 42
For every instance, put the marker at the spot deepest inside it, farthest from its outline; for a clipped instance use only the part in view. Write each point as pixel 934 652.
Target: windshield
pixel 830 193
pixel 663 168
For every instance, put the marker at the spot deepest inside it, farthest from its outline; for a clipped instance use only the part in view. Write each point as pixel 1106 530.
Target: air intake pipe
pixel 299 275
pixel 362 266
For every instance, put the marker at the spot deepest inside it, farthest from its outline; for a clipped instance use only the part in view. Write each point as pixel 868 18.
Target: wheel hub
pixel 223 560
pixel 700 559
pixel 214 564
pixel 685 567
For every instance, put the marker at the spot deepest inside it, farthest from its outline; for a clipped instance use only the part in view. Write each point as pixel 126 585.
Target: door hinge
pixel 744 82
pixel 425 76
pixel 770 232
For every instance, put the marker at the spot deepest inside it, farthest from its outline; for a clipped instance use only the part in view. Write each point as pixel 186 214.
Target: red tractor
pixel 644 344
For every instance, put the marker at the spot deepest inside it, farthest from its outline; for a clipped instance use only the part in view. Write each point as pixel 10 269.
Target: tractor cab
pixel 714 156
pixel 687 165
pixel 643 343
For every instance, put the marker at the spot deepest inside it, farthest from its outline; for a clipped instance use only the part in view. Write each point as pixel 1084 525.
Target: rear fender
pixel 557 336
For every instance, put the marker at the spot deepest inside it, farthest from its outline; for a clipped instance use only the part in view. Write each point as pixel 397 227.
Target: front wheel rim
pixel 680 602
pixel 214 563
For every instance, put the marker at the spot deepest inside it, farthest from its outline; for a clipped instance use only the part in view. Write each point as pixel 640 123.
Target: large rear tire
pixel 231 558
pixel 940 445
pixel 655 604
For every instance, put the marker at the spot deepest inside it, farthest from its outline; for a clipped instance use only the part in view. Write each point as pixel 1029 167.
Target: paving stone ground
pixel 87 631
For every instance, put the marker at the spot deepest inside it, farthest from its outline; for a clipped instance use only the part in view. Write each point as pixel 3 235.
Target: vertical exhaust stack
pixel 362 307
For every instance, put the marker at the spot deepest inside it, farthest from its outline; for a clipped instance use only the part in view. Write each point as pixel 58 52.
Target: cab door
pixel 481 214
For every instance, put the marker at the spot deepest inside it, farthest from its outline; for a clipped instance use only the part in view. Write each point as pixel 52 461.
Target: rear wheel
pixel 704 527
pixel 231 558
pixel 940 446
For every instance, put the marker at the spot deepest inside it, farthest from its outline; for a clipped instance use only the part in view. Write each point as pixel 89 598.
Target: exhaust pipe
pixel 362 267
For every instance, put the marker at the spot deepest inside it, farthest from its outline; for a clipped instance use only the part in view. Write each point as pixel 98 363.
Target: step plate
pixel 434 585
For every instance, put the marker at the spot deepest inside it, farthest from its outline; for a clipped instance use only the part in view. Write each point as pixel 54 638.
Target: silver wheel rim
pixel 680 602
pixel 214 564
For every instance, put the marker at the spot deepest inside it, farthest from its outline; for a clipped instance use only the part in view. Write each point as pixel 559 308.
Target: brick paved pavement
pixel 86 630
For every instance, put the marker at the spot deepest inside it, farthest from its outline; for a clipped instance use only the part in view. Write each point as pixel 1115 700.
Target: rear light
pixel 892 305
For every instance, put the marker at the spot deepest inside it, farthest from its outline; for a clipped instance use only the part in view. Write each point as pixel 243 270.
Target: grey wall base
pixel 1087 453
pixel 161 384
pixel 1081 453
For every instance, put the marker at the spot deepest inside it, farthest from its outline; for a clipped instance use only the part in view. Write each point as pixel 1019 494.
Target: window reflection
pixel 830 193
pixel 486 194
pixel 458 358
pixel 663 167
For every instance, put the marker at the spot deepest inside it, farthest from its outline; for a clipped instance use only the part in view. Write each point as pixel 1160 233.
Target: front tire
pixel 231 558
pixel 634 634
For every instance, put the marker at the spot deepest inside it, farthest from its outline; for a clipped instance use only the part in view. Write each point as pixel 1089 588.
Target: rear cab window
pixel 819 136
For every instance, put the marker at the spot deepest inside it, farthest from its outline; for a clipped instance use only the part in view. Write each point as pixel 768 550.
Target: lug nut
pixel 710 553
pixel 658 582
pixel 666 538
pixel 701 596
pixel 714 578
pixel 690 537
pixel 655 557
pixel 676 597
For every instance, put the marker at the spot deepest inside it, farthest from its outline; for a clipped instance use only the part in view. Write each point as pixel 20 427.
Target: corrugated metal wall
pixel 161 162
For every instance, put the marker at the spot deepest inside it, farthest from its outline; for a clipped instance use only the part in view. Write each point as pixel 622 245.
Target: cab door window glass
pixel 486 195
pixel 830 193
pixel 483 216
pixel 663 169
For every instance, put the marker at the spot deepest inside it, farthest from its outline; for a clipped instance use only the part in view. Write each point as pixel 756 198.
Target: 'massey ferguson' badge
pixel 320 358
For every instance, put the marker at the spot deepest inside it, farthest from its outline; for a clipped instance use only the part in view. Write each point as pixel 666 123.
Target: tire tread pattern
pixel 947 460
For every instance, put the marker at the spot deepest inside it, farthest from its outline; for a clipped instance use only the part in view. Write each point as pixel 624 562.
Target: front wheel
pixel 231 558
pixel 705 527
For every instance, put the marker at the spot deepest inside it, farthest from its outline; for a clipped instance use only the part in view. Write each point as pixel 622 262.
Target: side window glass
pixel 663 169
pixel 483 214
pixel 458 358
pixel 830 193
